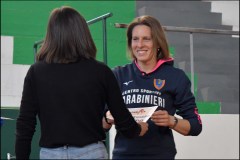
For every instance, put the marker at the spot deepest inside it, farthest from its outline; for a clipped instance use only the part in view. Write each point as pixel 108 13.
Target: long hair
pixel 160 43
pixel 68 38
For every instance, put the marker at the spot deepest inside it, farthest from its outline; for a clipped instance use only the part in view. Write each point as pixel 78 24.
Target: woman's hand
pixel 162 118
pixel 107 122
pixel 144 128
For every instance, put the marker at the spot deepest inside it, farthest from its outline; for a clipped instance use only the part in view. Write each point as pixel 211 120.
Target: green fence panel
pixel 209 107
pixel 8 129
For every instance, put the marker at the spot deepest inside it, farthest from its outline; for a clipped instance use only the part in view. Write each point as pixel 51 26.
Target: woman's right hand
pixel 107 121
pixel 107 125
pixel 144 128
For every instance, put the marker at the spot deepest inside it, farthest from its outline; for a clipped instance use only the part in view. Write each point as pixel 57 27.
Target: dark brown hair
pixel 159 39
pixel 68 38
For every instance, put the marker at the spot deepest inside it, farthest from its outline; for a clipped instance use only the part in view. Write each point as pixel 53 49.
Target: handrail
pixel 190 31
pixel 102 17
pixel 92 21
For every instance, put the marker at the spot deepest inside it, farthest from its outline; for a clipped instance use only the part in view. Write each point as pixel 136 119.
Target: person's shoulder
pixel 122 67
pixel 38 63
pixel 99 64
pixel 173 68
pixel 175 71
pixel 35 65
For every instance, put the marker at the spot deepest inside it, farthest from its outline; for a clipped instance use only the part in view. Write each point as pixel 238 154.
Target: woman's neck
pixel 148 66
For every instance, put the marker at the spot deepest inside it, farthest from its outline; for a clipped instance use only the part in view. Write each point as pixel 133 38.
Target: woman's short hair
pixel 68 38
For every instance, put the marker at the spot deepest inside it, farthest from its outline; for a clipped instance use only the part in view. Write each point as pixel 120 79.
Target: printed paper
pixel 141 114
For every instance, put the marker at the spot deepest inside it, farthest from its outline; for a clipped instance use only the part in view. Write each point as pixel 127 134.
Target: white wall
pixel 12 75
pixel 229 10
pixel 219 139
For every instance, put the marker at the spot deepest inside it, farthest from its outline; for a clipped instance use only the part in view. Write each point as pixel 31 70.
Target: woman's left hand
pixel 161 118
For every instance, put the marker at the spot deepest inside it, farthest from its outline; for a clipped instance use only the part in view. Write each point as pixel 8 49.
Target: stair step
pixel 204 40
pixel 179 5
pixel 230 108
pixel 221 94
pixel 181 18
pixel 215 80
pixel 213 68
pixel 224 55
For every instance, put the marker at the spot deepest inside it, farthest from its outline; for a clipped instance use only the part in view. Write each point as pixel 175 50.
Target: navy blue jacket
pixel 168 88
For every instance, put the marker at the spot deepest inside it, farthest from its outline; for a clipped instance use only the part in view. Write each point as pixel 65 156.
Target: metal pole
pixel 35 47
pixel 191 62
pixel 105 16
pixel 104 41
pixel 35 52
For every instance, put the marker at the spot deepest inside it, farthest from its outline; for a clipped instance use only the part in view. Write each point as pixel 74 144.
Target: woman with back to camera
pixel 152 80
pixel 67 89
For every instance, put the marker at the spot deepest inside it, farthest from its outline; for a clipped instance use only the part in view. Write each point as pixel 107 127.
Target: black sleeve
pixel 26 121
pixel 124 121
pixel 186 105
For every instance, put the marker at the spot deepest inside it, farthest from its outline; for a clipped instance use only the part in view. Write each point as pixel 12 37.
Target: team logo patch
pixel 158 83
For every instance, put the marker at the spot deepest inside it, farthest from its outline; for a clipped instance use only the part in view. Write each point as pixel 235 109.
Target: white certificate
pixel 141 114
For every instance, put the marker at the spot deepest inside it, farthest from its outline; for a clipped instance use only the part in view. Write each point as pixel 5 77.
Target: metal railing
pixel 92 21
pixel 190 31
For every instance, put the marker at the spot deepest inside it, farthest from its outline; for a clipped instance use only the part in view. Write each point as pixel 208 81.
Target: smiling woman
pixel 155 81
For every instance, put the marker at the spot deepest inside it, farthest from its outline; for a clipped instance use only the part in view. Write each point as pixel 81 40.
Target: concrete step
pixel 218 80
pixel 202 40
pixel 225 95
pixel 185 18
pixel 230 108
pixel 211 68
pixel 181 18
pixel 198 6
pixel 223 55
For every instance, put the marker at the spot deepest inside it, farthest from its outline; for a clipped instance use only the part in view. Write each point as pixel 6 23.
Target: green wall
pixel 27 21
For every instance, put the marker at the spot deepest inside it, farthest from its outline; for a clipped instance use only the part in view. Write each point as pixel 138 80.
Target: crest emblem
pixel 158 83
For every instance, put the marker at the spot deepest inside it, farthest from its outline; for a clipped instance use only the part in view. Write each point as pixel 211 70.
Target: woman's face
pixel 142 44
